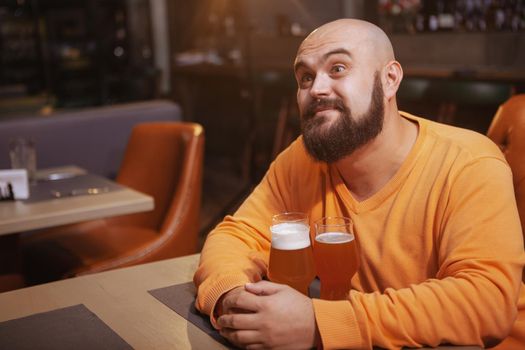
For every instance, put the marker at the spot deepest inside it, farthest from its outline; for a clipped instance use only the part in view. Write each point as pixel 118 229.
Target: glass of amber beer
pixel 291 258
pixel 336 258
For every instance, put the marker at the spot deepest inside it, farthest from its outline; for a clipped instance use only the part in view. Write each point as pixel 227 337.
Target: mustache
pixel 333 103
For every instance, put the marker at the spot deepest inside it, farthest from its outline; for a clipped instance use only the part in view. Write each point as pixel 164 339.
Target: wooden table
pixel 18 216
pixel 121 300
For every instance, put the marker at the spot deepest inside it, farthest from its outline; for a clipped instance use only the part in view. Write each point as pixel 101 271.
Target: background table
pixel 18 216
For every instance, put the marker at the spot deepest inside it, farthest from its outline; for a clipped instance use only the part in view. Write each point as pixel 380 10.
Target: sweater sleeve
pixel 471 299
pixel 237 250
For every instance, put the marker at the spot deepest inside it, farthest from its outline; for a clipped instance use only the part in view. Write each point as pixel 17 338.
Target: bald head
pixel 361 35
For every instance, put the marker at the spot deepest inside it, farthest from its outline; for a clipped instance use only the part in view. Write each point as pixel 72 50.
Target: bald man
pixel 433 209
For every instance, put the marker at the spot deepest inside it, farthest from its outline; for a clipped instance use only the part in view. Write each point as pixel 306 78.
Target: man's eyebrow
pixel 336 52
pixel 300 64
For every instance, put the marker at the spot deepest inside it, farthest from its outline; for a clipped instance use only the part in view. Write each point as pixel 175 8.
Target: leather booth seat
pixel 507 130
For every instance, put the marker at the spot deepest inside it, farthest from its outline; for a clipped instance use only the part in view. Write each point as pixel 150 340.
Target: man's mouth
pixel 323 107
pixel 325 112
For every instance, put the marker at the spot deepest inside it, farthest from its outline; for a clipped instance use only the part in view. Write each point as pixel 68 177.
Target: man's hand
pixel 221 309
pixel 273 316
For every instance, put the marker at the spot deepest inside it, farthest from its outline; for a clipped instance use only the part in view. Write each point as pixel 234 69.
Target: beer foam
pixel 290 236
pixel 335 237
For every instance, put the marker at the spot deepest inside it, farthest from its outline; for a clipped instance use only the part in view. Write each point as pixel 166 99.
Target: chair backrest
pixel 470 93
pixel 447 99
pixel 508 131
pixel 165 160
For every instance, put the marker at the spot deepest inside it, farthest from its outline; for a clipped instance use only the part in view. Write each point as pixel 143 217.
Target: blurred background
pixel 228 65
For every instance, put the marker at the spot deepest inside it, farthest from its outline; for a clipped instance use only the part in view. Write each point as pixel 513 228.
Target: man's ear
pixel 393 77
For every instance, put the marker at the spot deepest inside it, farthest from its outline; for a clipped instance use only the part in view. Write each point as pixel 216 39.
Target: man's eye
pixel 338 69
pixel 306 78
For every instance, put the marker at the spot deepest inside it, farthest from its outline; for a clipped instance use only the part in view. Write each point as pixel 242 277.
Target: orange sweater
pixel 440 245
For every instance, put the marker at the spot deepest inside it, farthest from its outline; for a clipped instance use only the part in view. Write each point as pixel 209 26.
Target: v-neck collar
pixel 380 196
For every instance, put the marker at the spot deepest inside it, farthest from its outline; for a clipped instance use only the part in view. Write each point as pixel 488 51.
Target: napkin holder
pixel 14 184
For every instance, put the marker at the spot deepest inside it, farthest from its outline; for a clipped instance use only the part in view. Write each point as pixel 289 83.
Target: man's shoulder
pixel 459 139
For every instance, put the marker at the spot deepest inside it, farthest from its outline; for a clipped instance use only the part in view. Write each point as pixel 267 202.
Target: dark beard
pixel 346 134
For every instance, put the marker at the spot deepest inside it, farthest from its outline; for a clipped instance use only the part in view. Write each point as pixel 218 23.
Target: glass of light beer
pixel 291 258
pixel 336 258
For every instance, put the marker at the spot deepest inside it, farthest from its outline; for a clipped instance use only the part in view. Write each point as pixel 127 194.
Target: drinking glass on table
pixel 291 258
pixel 23 156
pixel 336 257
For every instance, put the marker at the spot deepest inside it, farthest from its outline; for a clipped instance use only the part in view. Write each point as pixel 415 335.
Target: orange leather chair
pixel 162 159
pixel 11 281
pixel 508 131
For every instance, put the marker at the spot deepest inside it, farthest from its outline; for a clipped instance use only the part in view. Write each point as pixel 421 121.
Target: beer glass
pixel 291 258
pixel 336 258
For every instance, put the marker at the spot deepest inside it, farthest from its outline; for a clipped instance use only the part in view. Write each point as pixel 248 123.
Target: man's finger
pixel 235 310
pixel 263 287
pixel 239 321
pixel 242 338
pixel 240 301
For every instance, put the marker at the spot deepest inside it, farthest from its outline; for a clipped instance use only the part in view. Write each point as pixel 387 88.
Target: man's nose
pixel 320 86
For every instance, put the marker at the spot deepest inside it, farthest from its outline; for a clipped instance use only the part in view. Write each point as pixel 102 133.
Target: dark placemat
pixel 181 299
pixel 41 190
pixel 74 327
